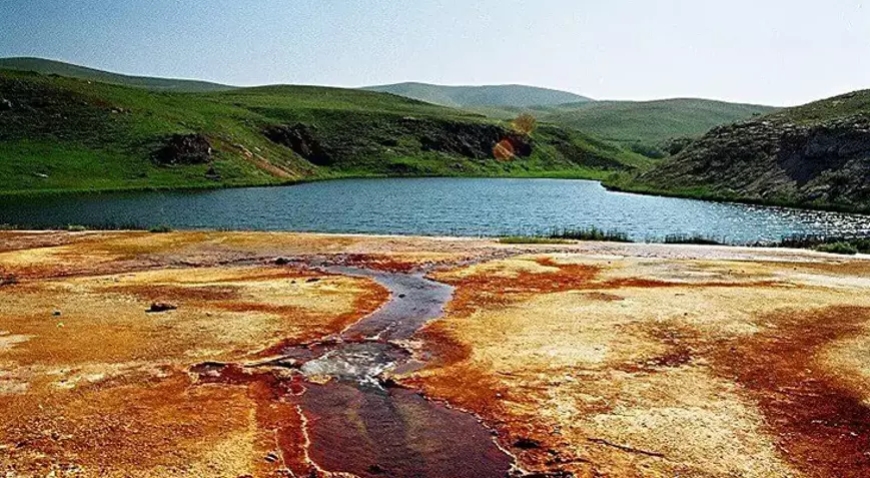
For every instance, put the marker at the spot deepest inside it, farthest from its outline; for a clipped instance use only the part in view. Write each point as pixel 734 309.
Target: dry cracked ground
pixel 587 360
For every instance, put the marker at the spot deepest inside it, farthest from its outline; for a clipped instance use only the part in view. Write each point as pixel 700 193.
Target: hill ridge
pixel 71 70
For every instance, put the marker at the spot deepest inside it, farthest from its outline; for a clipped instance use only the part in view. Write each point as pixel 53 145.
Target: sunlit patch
pixel 11 384
pixel 7 340
pixel 504 150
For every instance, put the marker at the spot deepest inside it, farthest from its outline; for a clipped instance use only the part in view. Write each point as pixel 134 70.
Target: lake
pixel 431 206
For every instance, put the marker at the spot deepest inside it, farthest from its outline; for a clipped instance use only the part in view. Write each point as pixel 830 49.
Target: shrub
pixel 162 229
pixel 697 239
pixel 838 248
pixel 590 234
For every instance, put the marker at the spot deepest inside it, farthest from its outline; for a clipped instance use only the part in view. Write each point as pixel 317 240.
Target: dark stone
pixel 527 444
pixel 185 149
pixel 313 279
pixel 162 307
pixel 302 140
pixel 376 470
pixel 282 261
pixel 212 174
pixel 8 280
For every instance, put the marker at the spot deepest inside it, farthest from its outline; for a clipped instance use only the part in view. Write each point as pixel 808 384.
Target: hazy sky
pixel 779 52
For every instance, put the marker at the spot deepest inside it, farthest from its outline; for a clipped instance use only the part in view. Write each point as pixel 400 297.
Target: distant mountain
pixel 649 122
pixel 476 96
pixel 817 155
pixel 51 67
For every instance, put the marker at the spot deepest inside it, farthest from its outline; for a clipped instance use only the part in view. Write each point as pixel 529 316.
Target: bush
pixel 649 151
pixel 838 248
pixel 530 240
pixel 590 234
pixel 160 229
pixel 837 245
pixel 697 239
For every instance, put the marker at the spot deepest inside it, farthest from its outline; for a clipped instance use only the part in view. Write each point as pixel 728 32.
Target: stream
pixel 363 424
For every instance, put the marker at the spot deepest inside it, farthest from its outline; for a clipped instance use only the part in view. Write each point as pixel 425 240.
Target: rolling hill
pixel 647 124
pixel 817 156
pixel 650 122
pixel 61 133
pixel 517 96
pixel 50 67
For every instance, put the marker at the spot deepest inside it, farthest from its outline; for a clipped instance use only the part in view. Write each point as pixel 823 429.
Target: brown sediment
pixel 821 425
pixel 379 262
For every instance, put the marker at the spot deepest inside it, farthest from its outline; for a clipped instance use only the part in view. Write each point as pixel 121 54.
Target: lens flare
pixel 521 131
pixel 504 150
pixel 525 124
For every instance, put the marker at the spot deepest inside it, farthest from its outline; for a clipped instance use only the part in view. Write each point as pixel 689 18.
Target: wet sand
pixel 294 354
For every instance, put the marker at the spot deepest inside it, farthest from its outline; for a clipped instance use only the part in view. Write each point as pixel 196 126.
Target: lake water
pixel 430 206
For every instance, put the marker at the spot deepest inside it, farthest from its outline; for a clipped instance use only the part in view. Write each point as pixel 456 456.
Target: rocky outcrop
pixel 471 140
pixel 822 163
pixel 302 140
pixel 360 139
pixel 185 149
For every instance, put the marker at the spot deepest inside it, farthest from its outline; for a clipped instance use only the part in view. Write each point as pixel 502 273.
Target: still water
pixel 431 206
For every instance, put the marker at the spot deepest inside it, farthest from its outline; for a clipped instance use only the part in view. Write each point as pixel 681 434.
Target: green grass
pixel 642 126
pixel 694 239
pixel 844 248
pixel 590 234
pixel 569 235
pixel 648 124
pixel 68 134
pixel 843 106
pixel 833 244
pixel 531 240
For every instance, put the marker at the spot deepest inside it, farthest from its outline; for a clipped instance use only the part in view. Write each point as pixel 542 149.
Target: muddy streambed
pixel 357 420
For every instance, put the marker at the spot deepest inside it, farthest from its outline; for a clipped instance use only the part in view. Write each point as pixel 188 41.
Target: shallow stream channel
pixel 360 422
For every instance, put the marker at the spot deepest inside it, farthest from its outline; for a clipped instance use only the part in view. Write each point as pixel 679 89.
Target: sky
pixel 777 52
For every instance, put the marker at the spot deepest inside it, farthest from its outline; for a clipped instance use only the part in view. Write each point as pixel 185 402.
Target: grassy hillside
pixel 816 155
pixel 650 122
pixel 60 134
pixel 627 123
pixel 49 67
pixel 480 96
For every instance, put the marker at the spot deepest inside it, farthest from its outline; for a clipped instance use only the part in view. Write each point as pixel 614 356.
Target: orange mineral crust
pixel 222 354
pixel 621 366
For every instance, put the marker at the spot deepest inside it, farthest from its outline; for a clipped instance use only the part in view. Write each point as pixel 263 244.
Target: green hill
pixel 59 134
pixel 649 122
pixel 50 67
pixel 480 96
pixel 817 155
pixel 628 123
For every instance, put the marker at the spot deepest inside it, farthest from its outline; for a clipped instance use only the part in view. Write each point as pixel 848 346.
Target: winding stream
pixel 362 424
